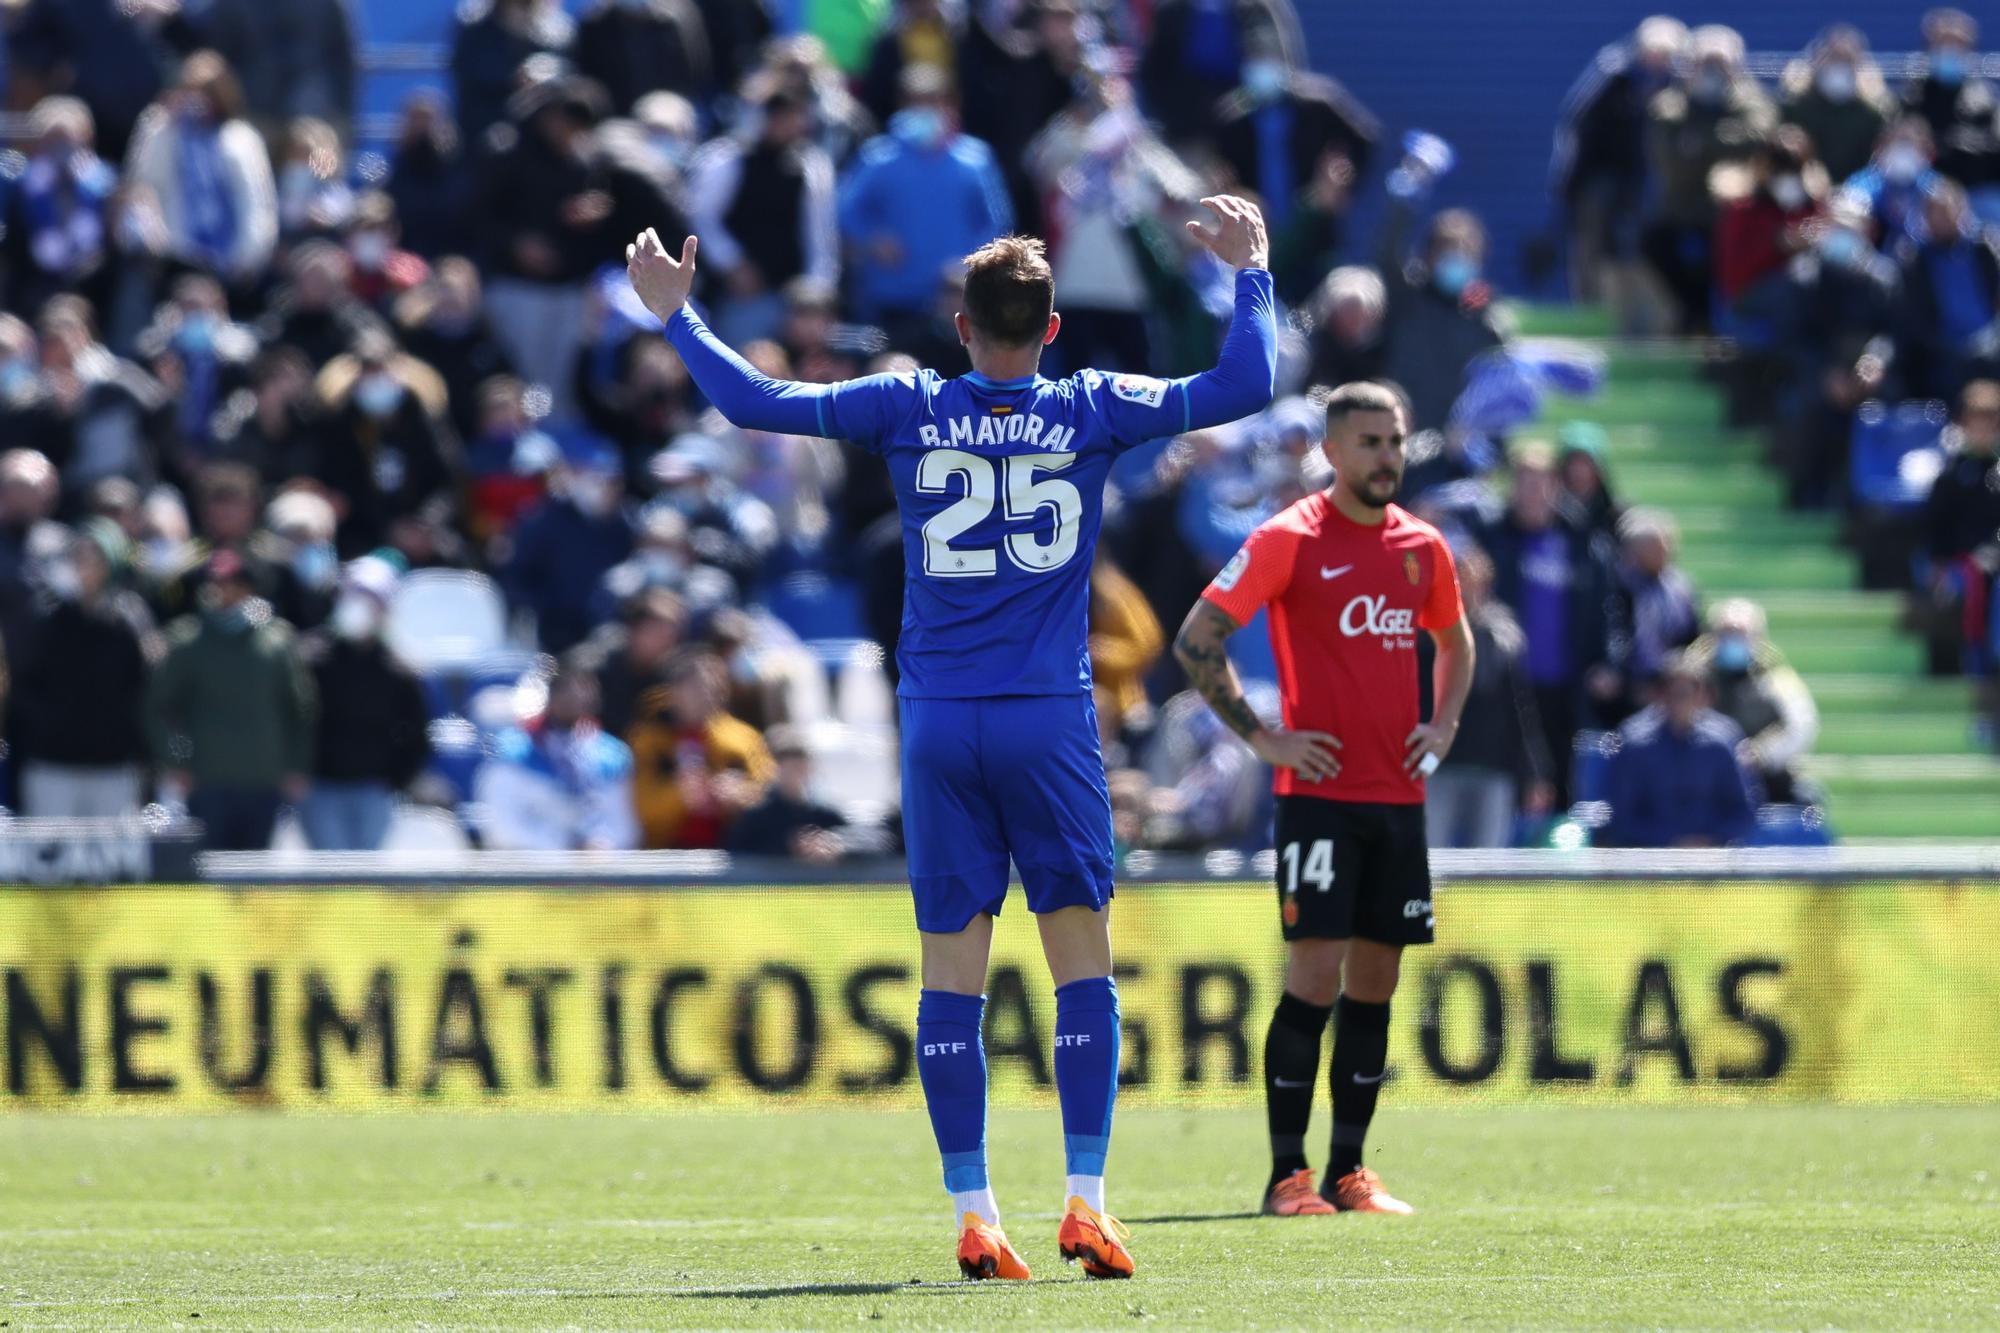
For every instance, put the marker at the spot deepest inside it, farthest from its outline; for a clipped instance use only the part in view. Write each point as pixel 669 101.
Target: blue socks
pixel 1087 1080
pixel 951 1064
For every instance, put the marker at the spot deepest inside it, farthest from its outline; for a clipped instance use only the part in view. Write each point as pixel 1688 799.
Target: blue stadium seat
pixel 817 606
pixel 1896 454
pixel 1590 777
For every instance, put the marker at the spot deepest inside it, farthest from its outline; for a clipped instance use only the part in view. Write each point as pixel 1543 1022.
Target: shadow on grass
pixel 838 1289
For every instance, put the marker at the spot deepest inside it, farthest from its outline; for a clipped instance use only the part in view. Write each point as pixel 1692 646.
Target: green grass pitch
pixel 1795 1217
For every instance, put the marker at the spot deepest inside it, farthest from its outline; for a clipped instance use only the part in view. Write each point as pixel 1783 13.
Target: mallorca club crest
pixel 1291 910
pixel 1411 569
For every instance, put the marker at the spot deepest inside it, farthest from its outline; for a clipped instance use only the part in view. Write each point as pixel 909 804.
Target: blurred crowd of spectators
pixel 1843 228
pixel 255 385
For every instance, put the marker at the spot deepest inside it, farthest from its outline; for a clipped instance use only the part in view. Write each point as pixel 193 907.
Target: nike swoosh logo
pixel 1364 1082
pixel 1326 573
pixel 1288 1083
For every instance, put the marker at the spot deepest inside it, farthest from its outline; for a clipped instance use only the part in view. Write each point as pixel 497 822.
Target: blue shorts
pixel 986 780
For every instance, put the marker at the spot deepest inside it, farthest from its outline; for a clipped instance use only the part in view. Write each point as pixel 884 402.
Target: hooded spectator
pixel 80 696
pixel 373 723
pixel 491 41
pixel 1719 116
pixel 1584 447
pixel 230 711
pixel 1600 168
pixel 559 783
pixel 208 169
pixel 1675 780
pixel 919 197
pixel 1757 690
pixel 58 214
pixel 1836 94
pixel 1499 766
pixel 634 47
pixel 430 181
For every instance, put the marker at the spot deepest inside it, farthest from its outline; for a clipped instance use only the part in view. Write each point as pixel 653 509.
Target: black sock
pixel 1360 1053
pixel 1291 1054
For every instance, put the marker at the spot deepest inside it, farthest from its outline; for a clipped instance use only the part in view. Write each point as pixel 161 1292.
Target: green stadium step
pixel 1559 321
pixel 1849 693
pixel 1702 525
pixel 1948 776
pixel 1836 650
pixel 1666 406
pixel 1757 571
pixel 1926 817
pixel 1804 611
pixel 1909 733
pixel 1669 487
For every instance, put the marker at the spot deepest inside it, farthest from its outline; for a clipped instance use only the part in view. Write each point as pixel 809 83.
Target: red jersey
pixel 1346 603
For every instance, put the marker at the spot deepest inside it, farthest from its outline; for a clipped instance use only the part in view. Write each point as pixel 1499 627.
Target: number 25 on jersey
pixel 1024 497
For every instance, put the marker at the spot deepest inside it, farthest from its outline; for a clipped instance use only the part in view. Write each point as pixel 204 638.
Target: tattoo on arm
pixel 1200 648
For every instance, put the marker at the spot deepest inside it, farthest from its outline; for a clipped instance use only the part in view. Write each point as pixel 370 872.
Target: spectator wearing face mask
pixel 728 527
pixel 1440 313
pixel 1759 691
pixel 230 711
pixel 765 212
pixel 444 324
pixel 373 736
pixel 1950 326
pixel 918 32
pixel 201 358
pixel 1720 115
pixel 1675 780
pixel 112 419
pixel 507 460
pixel 384 447
pixel 1836 94
pixel 381 269
pixel 1298 142
pixel 79 697
pixel 1659 598
pixel 662 560
pixel 1896 182
pixel 559 783
pixel 227 498
pixel 1499 767
pixel 430 181
pixel 1347 327
pixel 1961 526
pixel 299 528
pixel 209 171
pixel 271 424
pixel 1835 340
pixel 57 210
pixel 1758 233
pixel 789 822
pixel 314 198
pixel 1599 169
pixel 315 311
pixel 1958 105
pixel 919 197
pixel 564 546
pixel 697 767
pixel 1194 56
pixel 1561 584
pixel 634 47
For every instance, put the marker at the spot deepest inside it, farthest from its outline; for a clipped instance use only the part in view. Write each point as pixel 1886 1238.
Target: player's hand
pixel 1310 754
pixel 1428 738
pixel 1238 235
pixel 662 282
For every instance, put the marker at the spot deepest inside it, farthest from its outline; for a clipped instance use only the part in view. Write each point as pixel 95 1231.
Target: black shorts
pixel 1349 869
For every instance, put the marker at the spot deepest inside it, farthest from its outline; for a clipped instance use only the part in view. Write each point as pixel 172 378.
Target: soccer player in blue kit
pixel 1000 478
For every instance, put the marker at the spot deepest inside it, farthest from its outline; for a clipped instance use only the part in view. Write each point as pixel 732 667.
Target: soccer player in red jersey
pixel 1349 579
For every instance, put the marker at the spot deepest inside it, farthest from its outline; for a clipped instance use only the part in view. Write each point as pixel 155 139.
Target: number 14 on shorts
pixel 1315 869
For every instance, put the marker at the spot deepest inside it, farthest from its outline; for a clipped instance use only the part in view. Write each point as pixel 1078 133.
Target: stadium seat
pixel 424 828
pixel 1590 777
pixel 447 620
pixel 1896 453
pixel 1791 826
pixel 817 605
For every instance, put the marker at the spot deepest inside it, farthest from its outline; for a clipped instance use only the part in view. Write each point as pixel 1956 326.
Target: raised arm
pixel 1246 374
pixel 746 396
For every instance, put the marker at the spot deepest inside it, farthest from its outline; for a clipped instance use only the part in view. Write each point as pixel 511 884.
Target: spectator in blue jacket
pixel 920 198
pixel 565 545
pixel 1950 321
pixel 559 783
pixel 1898 180
pixel 1675 779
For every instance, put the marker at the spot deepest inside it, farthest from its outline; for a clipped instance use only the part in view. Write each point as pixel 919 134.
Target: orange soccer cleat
pixel 1294 1196
pixel 983 1252
pixel 1360 1191
pixel 1095 1239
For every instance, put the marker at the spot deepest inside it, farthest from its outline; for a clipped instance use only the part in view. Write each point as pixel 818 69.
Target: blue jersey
pixel 1001 488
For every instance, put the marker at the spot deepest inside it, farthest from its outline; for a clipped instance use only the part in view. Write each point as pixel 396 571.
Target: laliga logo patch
pixel 1233 571
pixel 1140 389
